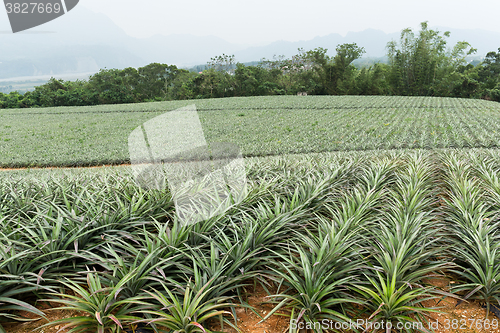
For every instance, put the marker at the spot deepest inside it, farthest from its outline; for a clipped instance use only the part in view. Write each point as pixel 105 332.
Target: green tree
pixel 131 80
pixel 222 63
pixel 155 79
pixel 467 84
pixel 2 100
pixel 488 73
pixel 334 75
pixel 345 71
pixel 45 95
pixel 248 80
pixel 111 87
pixel 372 80
pixel 61 93
pixel 219 77
pixel 12 100
pixel 489 70
pixel 422 65
pixel 182 86
pixel 255 81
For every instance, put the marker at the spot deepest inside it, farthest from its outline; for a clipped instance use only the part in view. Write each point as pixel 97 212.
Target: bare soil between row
pixel 466 317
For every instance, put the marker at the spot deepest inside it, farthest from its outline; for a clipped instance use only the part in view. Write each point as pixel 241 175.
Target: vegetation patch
pixel 334 236
pixel 85 136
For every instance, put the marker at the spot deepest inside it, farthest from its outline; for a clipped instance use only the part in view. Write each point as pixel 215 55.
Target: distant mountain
pixel 181 50
pixel 83 41
pixel 484 41
pixel 374 42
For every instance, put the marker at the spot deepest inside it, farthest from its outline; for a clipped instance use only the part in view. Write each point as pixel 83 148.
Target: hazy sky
pixel 261 21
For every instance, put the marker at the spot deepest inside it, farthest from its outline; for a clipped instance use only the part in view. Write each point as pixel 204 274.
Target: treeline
pixel 420 64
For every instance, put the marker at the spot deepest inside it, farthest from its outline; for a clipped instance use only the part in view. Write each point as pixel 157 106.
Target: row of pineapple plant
pixel 472 208
pixel 333 237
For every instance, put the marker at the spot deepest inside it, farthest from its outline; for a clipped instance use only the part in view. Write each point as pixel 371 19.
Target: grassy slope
pixel 258 125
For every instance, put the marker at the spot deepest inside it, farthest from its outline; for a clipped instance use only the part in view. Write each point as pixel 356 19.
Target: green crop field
pixel 389 210
pixel 336 235
pixel 258 125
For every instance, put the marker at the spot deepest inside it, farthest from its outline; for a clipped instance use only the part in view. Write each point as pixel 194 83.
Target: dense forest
pixel 420 64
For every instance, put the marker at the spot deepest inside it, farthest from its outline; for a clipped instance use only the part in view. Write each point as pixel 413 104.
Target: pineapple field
pixel 260 126
pixel 360 214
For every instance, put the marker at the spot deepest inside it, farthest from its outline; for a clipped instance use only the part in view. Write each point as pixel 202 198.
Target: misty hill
pixel 374 42
pixel 83 41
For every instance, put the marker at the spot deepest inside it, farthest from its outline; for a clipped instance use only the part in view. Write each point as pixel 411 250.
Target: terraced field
pixel 259 126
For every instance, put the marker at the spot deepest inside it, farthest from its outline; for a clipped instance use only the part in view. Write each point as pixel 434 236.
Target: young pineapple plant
pixel 404 250
pixel 342 235
pixel 472 215
pixel 102 308
pixel 316 282
pixel 20 277
pixel 189 310
pixel 319 267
